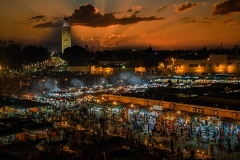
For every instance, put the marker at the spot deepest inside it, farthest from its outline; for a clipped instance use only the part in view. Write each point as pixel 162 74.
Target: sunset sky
pixel 116 24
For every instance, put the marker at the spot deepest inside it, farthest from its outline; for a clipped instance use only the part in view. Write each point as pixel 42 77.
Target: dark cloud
pixel 227 21
pixel 130 10
pixel 88 15
pixel 42 21
pixel 203 23
pixel 36 18
pixel 214 18
pixel 206 18
pixel 186 6
pixel 135 14
pixel 49 24
pixel 230 22
pixel 162 8
pixel 189 20
pixel 226 7
pixel 211 18
pixel 56 18
pixel 185 18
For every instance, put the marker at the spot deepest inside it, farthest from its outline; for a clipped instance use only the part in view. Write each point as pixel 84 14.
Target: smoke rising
pixel 129 78
pixel 44 85
pixel 76 83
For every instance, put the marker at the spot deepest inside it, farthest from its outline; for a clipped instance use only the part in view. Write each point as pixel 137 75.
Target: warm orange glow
pixel 195 27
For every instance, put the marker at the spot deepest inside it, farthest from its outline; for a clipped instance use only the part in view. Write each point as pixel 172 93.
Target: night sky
pixel 116 24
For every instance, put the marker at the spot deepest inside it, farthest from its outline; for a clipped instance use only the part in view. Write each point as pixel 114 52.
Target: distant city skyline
pixel 105 24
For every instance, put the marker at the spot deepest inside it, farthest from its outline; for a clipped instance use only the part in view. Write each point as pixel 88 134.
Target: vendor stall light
pixel 202 152
pixel 178 112
pixel 197 151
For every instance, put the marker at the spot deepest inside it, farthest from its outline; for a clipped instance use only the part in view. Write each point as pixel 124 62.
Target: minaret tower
pixel 66 34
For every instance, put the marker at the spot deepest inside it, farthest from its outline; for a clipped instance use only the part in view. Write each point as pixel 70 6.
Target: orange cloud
pixel 226 7
pixel 186 6
pixel 137 7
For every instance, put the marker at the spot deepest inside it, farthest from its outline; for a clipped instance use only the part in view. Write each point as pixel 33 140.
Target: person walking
pixel 92 156
pixel 87 153
pixel 192 154
pixel 103 156
pixel 178 150
pixel 61 134
pixel 124 132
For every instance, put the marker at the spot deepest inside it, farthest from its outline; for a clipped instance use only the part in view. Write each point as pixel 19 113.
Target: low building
pixel 85 69
pixel 216 63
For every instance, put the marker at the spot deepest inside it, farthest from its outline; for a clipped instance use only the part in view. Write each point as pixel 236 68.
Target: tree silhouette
pixel 33 54
pixel 76 55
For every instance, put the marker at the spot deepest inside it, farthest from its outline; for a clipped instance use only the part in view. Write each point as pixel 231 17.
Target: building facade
pixel 216 63
pixel 66 34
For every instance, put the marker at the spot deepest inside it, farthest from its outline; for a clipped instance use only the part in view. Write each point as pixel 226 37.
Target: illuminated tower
pixel 66 34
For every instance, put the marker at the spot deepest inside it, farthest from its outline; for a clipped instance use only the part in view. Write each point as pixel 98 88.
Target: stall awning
pixel 133 106
pixel 196 114
pixel 227 119
pixel 57 143
pixel 21 122
pixel 9 131
pixel 21 104
pixel 2 126
pixel 37 126
pixel 7 120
